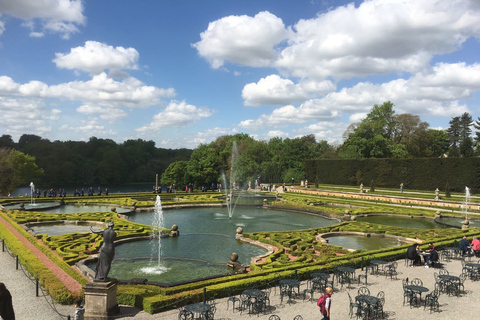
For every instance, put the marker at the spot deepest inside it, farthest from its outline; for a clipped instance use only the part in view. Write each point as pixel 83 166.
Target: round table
pixel 448 277
pixel 320 275
pixel 377 263
pixel 198 308
pixel 291 283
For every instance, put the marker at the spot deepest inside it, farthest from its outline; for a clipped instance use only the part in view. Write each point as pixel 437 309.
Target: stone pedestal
pixel 100 300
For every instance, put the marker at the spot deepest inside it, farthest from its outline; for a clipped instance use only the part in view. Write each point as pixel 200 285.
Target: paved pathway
pixel 27 306
pixel 25 303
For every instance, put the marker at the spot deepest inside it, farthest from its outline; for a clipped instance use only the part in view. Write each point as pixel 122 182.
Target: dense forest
pixel 96 162
pixel 381 134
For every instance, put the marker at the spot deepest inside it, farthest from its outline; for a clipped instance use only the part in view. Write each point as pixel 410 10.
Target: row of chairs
pixel 275 317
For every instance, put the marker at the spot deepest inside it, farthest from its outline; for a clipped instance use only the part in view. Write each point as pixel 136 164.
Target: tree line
pixel 241 158
pixel 91 163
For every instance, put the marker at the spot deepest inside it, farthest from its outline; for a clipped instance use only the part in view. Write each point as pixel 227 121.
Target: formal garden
pixel 302 252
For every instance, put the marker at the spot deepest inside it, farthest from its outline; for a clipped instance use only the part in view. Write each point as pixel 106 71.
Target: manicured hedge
pixel 421 174
pixel 36 268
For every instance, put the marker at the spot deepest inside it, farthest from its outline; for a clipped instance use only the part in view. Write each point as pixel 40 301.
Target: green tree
pixel 175 174
pixel 476 125
pixel 204 166
pixel 466 143
pixel 16 168
pixel 439 142
pixel 454 136
pixel 6 141
pixel 412 134
pixel 371 138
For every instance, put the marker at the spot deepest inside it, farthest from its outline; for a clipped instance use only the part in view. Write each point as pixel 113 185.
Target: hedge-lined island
pixel 300 251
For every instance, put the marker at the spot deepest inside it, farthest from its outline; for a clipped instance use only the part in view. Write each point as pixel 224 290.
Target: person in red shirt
pixel 476 246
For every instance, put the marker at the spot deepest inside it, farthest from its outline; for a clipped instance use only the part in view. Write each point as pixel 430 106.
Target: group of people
pixel 430 255
pixel 467 247
pixel 170 189
pixel 52 193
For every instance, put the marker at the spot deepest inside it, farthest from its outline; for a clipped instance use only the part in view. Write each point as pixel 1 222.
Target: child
pixel 325 302
pixel 79 310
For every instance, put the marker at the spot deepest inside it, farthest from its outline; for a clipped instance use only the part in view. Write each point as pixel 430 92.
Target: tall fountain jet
pixel 32 190
pixel 156 264
pixel 231 202
pixel 467 200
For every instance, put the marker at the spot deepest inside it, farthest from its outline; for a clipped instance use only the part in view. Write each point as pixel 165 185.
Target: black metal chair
pixel 352 305
pixel 233 299
pixel 416 282
pixel 285 291
pixel 344 278
pixel 431 300
pixel 363 276
pixel 407 293
pixel 244 303
pixel 378 307
pixel 210 314
pixel 391 270
pixel 185 315
pixel 363 291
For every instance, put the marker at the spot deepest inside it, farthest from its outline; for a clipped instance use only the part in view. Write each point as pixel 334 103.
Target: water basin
pixel 362 242
pixel 67 208
pixel 207 238
pixel 215 220
pixel 60 229
pixel 188 257
pixel 402 222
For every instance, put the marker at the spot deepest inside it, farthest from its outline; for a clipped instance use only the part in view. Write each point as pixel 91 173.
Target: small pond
pixel 60 229
pixel 402 222
pixel 33 206
pixel 361 242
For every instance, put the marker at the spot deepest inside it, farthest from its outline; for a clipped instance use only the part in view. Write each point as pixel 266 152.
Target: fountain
pixel 467 200
pixel 230 186
pixel 32 190
pixel 156 266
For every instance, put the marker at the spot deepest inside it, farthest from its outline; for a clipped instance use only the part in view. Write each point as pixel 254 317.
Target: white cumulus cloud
pixel 176 114
pixel 274 90
pixel 242 39
pixel 378 37
pixel 56 16
pixel 95 57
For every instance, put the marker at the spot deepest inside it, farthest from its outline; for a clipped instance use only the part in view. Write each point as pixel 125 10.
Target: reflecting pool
pixel 403 222
pixel 207 238
pixel 188 257
pixel 362 242
pixel 33 206
pixel 60 229
pixel 252 219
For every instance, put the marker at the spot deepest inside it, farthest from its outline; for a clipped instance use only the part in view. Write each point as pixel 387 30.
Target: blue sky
pixel 182 73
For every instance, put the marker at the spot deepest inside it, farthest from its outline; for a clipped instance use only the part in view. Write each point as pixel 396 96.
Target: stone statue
pixel 361 187
pixel 107 252
pixel 437 194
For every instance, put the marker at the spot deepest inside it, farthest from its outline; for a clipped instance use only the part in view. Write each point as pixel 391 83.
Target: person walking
pixel 6 306
pixel 324 302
